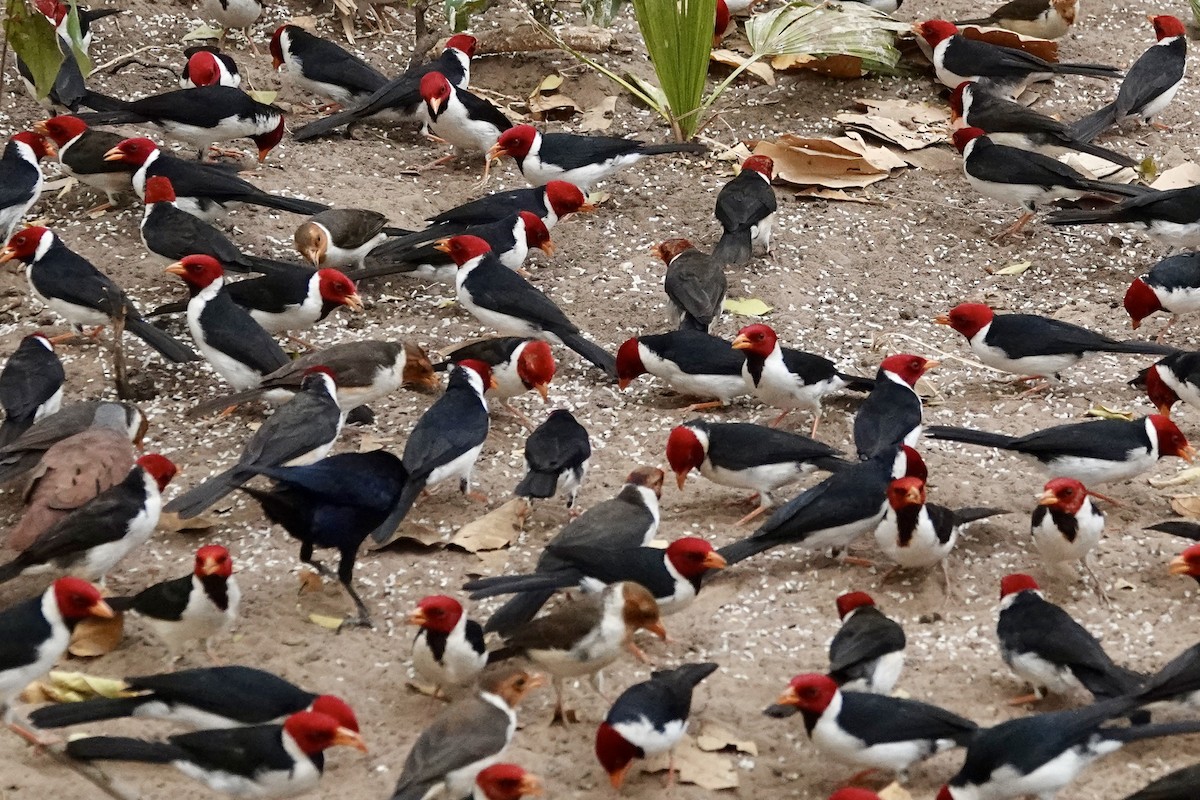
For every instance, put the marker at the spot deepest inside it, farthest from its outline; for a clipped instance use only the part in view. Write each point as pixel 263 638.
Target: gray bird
pixel 695 284
pixel 23 453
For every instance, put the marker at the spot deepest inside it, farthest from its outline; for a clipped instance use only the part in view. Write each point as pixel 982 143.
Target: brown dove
pixel 71 473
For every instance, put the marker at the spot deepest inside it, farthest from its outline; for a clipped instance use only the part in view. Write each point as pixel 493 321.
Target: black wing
pixel 572 151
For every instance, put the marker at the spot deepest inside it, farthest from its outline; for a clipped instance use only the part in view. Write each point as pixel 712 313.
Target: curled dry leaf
pixel 759 69
pixel 906 124
pixel 710 771
pixel 203 32
pixel 493 530
pixel 332 623
pixel 712 737
pixel 546 100
pixel 96 637
pixel 310 582
pixel 600 116
pixel 1178 479
pixel 265 97
pixel 1042 48
pixel 1186 174
pixel 836 66
pixel 1014 269
pixel 1104 412
pixel 169 521
pixel 1186 505
pixel 835 163
pixel 73 687
pixel 1099 168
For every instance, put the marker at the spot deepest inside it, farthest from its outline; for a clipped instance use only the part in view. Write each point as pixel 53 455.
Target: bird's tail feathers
pixel 857 383
pixel 60 715
pixel 534 484
pixel 1139 732
pixel 1094 70
pixel 123 748
pixel 743 549
pixel 195 500
pixel 517 611
pixel 1094 124
pixel 11 570
pixel 662 149
pixel 734 249
pixel 167 345
pixel 225 401
pixel 969 436
pixel 590 351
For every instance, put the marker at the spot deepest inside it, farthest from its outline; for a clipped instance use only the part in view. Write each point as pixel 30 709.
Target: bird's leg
pixel 744 501
pixel 32 736
pixel 329 108
pixel 1015 227
pixel 775 422
pixel 464 486
pixel 887 576
pixel 562 714
pixel 753 514
pixel 226 152
pixel 595 680
pixel 1158 126
pixel 816 422
pixel 1088 567
pixel 637 652
pixel 705 406
pixel 520 415
pixel 99 209
pixel 671 771
pixel 211 650
pixel 346 577
pixel 250 41
pixel 1162 335
pixel 1038 389
pixel 487 171
pixel 1024 699
pixel 308 346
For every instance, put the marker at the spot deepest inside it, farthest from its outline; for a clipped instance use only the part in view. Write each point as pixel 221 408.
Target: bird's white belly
pixel 1042 674
pixel 653 741
pixel 763 479
pixel 1090 471
pixel 722 387
pixel 1044 366
pixel 459 468
pixel 835 742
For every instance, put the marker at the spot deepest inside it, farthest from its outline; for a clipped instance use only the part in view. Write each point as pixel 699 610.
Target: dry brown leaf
pixel 713 737
pixel 1186 174
pixel 837 66
pixel 1099 168
pixel 1042 48
pixel 310 582
pixel 368 443
pixel 1186 505
pixel 170 522
pixel 759 69
pixel 910 125
pixel 600 116
pixel 835 163
pixel 710 771
pixel 96 637
pixel 493 530
pixel 422 535
pixel 547 100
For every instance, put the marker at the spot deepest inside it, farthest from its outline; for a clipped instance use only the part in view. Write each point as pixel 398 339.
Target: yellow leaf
pixel 263 97
pixel 1104 412
pixel 894 791
pixel 1188 475
pixel 1014 269
pixel 746 307
pixel 203 32
pixel 332 623
pixel 759 69
pixel 599 198
pixel 550 83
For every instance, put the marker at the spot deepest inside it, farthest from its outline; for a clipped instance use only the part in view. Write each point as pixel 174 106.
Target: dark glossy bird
pixel 31 386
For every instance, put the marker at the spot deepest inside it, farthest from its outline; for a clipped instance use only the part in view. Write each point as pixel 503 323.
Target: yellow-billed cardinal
pixel 31 386
pixel 511 238
pixel 891 414
pixel 502 299
pixel 1025 178
pixel 233 14
pixel 172 234
pixel 833 513
pixel 1149 85
pixel 957 58
pixel 746 456
pixel 691 362
pixel 205 698
pixel 1174 378
pixel 1031 345
pixel 1066 525
pixel 1171 216
pixel 466 738
pixel 626 521
pixel 916 534
pixel 93 538
pixel 584 636
pixel 60 14
pixel 1187 562
pixel 366 371
pixel 446 441
pixel 648 719
pixel 867 652
pixel 673 575
pixel 82 154
pixel 1182 784
pixel 570 157
pixel 973 104
pixel 232 341
pixel 335 502
pixel 872 731
pixel 1103 451
pixel 196 607
pixel 340 237
pixel 258 761
pixel 1042 19
pixel 518 365
pixel 68 284
pixel 202 190
pixel 400 97
pixel 285 302
pixel 694 282
pixel 300 432
pixel 323 67
pixel 1044 646
pixel 208 66
pixel 201 117
pixel 71 473
pixel 463 119
pixel 746 208
pixel 1171 285
pixel 556 458
pixel 789 379
pixel 21 177
pixel 506 782
pixel 37 631
pixel 553 203
pixel 23 453
pixel 1041 754
pixel 448 648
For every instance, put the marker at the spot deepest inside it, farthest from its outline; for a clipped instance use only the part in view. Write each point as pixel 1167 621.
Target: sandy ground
pixel 842 279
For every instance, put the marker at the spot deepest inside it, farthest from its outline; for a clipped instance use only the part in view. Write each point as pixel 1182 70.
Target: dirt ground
pixel 843 278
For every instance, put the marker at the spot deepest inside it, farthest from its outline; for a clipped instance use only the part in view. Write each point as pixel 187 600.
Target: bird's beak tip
pixel 102 609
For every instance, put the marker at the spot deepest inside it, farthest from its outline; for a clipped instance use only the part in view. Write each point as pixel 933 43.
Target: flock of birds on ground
pixel 259 735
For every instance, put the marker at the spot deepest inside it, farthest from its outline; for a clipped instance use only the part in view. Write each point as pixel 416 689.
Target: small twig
pixel 124 390
pixel 927 347
pixel 119 60
pixel 3 68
